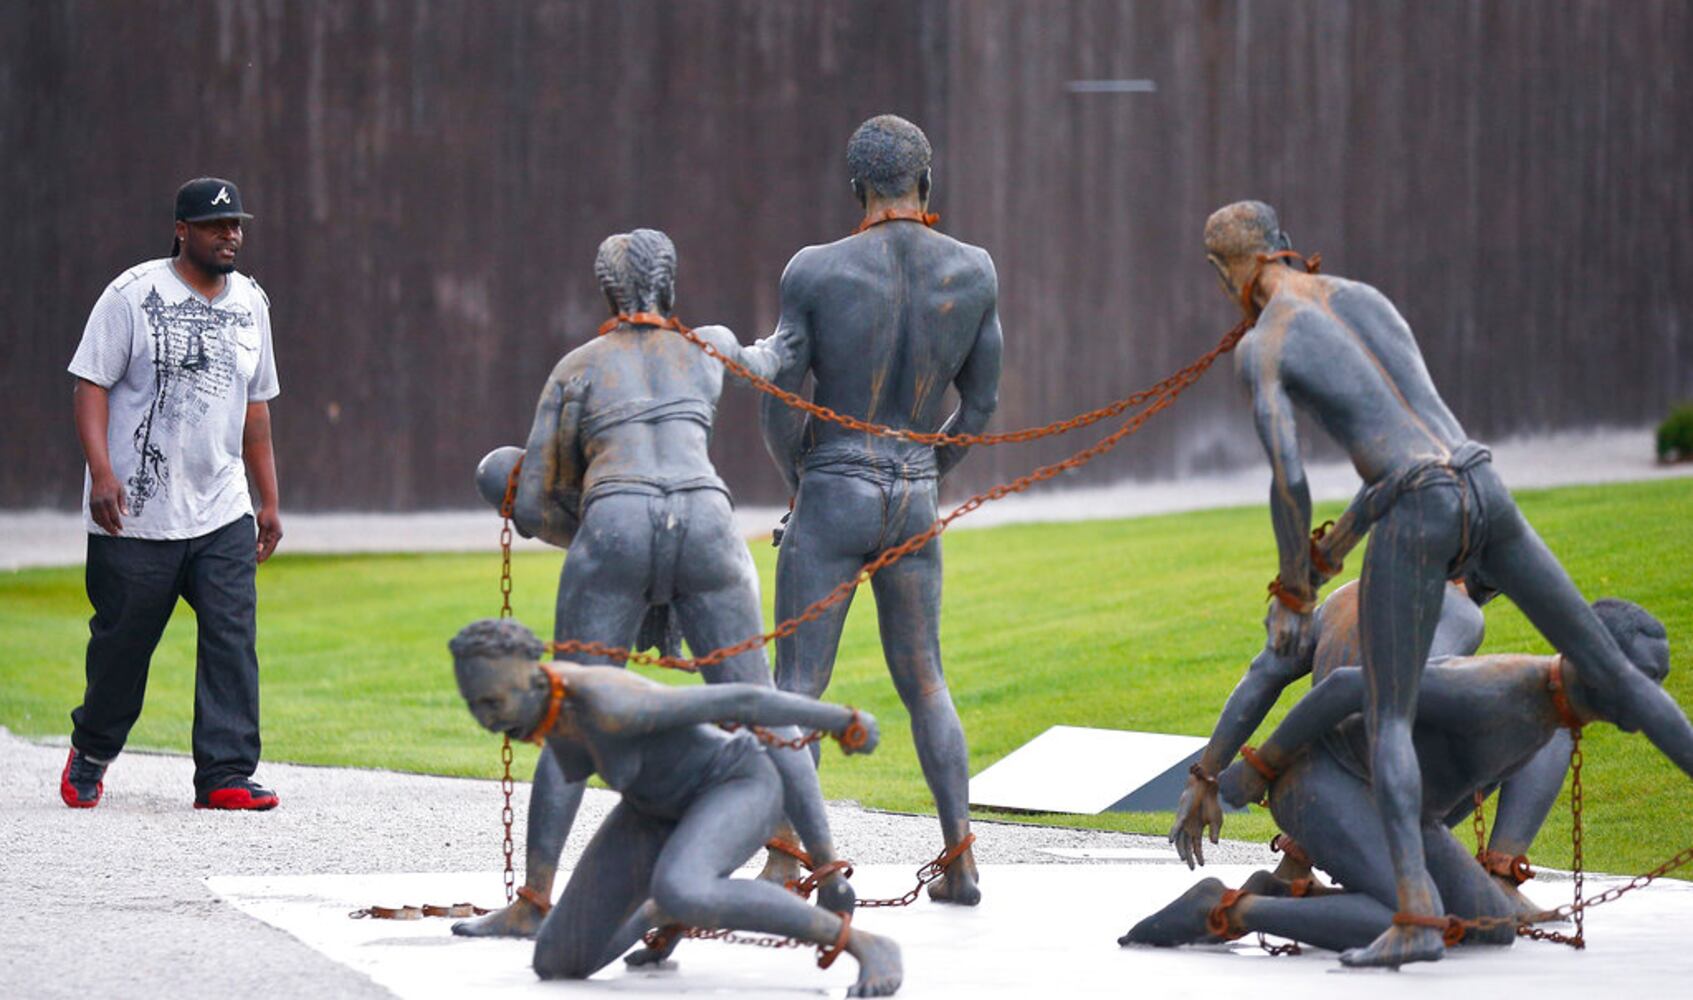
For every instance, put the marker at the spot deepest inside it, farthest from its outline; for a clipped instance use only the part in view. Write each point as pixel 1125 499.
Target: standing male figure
pixel 1339 350
pixel 884 320
pixel 174 374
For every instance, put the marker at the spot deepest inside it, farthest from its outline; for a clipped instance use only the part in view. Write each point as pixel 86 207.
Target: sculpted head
pixel 1234 237
pixel 889 156
pixel 495 662
pixel 637 272
pixel 1643 639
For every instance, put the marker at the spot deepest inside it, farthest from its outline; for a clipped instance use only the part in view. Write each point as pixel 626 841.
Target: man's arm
pixel 1197 811
pixel 977 381
pixel 635 709
pixel 1290 497
pixel 549 487
pixel 260 457
pixel 107 504
pixel 782 426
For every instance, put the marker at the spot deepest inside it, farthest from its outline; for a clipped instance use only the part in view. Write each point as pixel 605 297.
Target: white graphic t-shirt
pixel 180 370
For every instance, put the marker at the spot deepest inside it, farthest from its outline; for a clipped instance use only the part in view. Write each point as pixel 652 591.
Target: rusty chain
pixel 506 784
pixel 926 874
pixel 1479 822
pixel 1169 390
pixel 409 912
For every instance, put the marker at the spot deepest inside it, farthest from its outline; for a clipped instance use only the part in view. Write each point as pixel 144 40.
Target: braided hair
pixel 637 271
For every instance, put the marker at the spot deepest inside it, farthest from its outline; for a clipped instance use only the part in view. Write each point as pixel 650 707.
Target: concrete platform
pixel 1049 928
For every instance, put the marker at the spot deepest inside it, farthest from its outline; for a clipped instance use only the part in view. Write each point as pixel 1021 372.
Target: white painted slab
pixel 1074 769
pixel 1041 930
pixel 1141 855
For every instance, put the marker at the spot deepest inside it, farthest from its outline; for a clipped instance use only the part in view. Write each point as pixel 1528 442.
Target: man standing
pixel 884 321
pixel 1435 510
pixel 174 374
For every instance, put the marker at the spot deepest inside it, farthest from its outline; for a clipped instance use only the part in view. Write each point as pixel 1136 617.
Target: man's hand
pixel 107 503
pixel 1287 629
pixel 1241 785
pixel 1196 812
pixel 270 531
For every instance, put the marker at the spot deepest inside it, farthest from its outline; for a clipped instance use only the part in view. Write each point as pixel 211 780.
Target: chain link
pixel 506 783
pixel 506 817
pixel 1480 824
pixel 926 874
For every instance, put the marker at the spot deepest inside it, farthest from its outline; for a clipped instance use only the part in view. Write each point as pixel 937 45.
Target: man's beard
pixel 211 265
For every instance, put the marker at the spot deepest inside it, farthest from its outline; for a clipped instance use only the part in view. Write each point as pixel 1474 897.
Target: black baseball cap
pixel 205 198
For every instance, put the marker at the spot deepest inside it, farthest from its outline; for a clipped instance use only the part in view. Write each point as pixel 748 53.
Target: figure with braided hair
pixel 884 321
pixel 616 472
pixel 1480 721
pixel 1433 506
pixel 697 802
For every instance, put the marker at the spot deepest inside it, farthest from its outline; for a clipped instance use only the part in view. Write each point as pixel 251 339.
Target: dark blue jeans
pixel 134 584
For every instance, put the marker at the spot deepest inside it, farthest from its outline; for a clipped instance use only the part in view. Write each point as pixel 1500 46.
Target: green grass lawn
pixel 1138 624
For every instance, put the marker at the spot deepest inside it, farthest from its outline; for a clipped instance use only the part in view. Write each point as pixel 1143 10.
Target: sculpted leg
pixel 613 879
pixel 908 606
pixel 1401 593
pixel 601 598
pixel 552 811
pixel 836 521
pixel 1525 800
pixel 726 613
pixel 726 825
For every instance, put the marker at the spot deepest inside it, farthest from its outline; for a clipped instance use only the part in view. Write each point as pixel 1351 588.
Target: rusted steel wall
pixel 432 179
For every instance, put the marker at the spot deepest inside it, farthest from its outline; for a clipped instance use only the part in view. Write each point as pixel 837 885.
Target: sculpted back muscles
pixel 884 321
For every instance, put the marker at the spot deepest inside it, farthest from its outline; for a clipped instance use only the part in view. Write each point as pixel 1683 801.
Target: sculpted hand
pixel 1241 785
pixel 270 532
pixel 107 503
pixel 1196 812
pixel 1286 628
pixel 872 735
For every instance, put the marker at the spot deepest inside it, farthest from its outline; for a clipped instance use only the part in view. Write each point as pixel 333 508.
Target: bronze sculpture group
pixel 1404 725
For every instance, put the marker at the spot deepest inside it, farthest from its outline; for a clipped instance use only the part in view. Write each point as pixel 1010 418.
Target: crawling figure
pixel 1478 721
pixel 698 801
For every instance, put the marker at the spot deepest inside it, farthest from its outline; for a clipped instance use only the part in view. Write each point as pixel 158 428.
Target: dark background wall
pixel 431 180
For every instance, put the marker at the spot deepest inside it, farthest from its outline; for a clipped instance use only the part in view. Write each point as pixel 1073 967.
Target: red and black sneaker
pixel 81 784
pixel 241 794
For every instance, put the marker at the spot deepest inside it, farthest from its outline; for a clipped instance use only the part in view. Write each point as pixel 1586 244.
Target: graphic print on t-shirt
pixel 195 361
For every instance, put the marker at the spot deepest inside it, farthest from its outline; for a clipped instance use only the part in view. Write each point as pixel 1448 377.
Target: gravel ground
pixel 110 902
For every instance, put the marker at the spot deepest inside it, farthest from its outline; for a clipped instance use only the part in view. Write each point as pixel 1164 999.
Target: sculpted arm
pixel 1339 695
pixel 1197 812
pixel 634 710
pixel 764 358
pixel 1290 495
pixel 977 381
pixel 782 426
pixel 549 488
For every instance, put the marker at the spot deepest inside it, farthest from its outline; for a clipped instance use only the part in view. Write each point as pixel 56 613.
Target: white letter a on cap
pixel 222 197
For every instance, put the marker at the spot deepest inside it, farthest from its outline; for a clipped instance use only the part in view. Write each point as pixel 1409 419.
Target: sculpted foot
pixel 1396 947
pixel 837 896
pixel 648 956
pixel 956 886
pixel 1181 922
pixel 880 970
pixel 520 920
